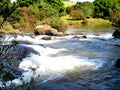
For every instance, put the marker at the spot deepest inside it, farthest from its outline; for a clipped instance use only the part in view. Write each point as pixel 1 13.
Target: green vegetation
pixel 116 19
pixel 60 24
pixel 77 14
pixel 107 9
pixel 90 21
pixel 25 15
pixel 87 8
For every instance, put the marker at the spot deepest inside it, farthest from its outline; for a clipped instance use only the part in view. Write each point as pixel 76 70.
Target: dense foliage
pixel 108 9
pixel 116 19
pixel 6 10
pixel 105 8
pixel 86 7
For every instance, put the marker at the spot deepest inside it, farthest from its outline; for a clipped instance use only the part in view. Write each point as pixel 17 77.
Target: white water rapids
pixel 52 61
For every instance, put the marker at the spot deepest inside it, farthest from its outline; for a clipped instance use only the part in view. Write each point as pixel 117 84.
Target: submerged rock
pixel 96 34
pixel 116 33
pixel 80 37
pixel 117 64
pixel 46 38
pixel 84 36
pixel 77 37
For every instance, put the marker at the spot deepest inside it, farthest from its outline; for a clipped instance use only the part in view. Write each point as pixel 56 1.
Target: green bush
pixel 1 19
pixel 85 22
pixel 87 8
pixel 43 10
pixel 7 26
pixel 77 14
pixel 56 23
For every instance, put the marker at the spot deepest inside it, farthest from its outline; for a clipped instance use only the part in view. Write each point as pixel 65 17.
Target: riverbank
pixel 94 22
pixel 86 22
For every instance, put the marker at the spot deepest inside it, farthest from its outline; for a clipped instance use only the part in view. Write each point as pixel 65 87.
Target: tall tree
pixel 58 5
pixel 25 2
pixel 105 8
pixel 86 7
pixel 6 9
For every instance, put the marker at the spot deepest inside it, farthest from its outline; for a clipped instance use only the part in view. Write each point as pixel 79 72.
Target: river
pixel 69 63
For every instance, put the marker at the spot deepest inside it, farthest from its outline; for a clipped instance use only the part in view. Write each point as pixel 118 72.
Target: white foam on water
pixel 107 36
pixel 103 36
pixel 36 39
pixel 50 67
pixel 45 50
pixel 31 39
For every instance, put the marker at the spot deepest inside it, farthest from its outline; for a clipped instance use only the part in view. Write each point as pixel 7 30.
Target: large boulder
pixel 12 54
pixel 116 33
pixel 46 30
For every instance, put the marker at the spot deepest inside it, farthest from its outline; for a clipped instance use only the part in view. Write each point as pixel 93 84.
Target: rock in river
pixel 116 33
pixel 46 30
pixel 46 38
pixel 117 64
pixel 13 54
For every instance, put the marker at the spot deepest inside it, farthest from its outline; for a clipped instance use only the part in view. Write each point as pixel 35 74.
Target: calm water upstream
pixel 67 63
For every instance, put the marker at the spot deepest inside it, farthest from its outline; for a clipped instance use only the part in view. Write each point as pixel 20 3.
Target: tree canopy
pixel 86 7
pixel 105 8
pixel 7 9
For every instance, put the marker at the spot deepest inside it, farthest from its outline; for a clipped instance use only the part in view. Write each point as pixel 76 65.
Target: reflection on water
pixel 90 29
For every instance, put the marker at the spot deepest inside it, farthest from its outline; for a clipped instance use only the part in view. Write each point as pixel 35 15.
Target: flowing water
pixel 67 63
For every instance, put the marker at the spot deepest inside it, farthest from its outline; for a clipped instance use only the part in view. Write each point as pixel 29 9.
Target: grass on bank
pixel 89 21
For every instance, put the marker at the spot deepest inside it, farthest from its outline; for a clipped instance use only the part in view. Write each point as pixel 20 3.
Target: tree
pixel 6 10
pixel 58 5
pixel 86 7
pixel 105 8
pixel 25 2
